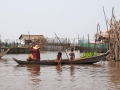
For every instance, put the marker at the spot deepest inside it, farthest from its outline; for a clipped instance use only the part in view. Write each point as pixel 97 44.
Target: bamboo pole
pixel 88 42
pixel 107 28
pixel 98 27
pixel 29 36
pixel 62 45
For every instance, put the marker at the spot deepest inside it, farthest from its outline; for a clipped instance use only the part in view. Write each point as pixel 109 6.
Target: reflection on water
pixel 34 73
pixel 103 75
pixel 114 71
pixel 59 68
pixel 3 60
pixel 34 69
pixel 72 67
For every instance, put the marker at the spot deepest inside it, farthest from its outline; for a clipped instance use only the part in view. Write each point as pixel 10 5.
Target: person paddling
pixel 35 56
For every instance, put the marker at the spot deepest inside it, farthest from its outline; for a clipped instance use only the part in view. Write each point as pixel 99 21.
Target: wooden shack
pixel 36 39
pixel 103 36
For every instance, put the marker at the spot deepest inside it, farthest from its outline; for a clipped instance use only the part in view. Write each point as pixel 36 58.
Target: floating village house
pixel 103 36
pixel 45 43
pixel 36 39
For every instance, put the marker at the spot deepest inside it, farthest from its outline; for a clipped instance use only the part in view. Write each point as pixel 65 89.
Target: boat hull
pixel 89 60
pixel 4 53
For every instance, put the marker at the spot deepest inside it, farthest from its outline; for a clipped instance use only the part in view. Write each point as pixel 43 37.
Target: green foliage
pixel 88 54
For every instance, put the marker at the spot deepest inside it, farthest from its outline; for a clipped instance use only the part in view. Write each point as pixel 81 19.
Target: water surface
pixel 99 76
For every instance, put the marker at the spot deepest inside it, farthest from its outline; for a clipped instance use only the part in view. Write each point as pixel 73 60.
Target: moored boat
pixel 4 53
pixel 89 60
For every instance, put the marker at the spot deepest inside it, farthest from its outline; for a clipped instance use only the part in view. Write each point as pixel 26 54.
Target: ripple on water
pixel 99 76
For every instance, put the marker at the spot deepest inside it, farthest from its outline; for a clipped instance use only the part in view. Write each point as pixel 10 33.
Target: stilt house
pixel 36 39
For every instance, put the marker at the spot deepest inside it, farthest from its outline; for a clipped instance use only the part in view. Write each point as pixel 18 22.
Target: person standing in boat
pixel 35 55
pixel 72 55
pixel 59 58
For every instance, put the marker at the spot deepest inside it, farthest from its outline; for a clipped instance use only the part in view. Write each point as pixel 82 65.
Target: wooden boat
pixel 4 53
pixel 89 60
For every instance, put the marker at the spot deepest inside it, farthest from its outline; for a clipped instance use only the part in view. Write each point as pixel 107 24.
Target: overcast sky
pixel 66 18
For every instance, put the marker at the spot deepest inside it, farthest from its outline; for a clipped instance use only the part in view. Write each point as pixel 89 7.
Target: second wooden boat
pixel 4 53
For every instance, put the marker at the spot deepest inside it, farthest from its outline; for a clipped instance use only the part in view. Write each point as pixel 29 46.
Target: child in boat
pixel 59 58
pixel 35 55
pixel 72 55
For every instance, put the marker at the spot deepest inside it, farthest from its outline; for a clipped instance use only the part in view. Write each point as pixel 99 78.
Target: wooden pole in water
pixel 29 37
pixel 78 39
pixel 98 27
pixel 74 44
pixel 88 43
pixel 62 46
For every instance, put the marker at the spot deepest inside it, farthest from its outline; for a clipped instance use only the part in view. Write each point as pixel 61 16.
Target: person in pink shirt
pixel 35 55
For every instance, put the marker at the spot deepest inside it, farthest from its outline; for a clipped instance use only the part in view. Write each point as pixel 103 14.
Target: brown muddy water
pixel 103 75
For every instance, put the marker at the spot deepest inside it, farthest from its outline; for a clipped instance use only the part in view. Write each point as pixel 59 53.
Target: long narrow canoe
pixel 4 53
pixel 89 60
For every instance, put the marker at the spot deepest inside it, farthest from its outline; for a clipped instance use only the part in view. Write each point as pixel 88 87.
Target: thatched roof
pixel 104 33
pixel 31 37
